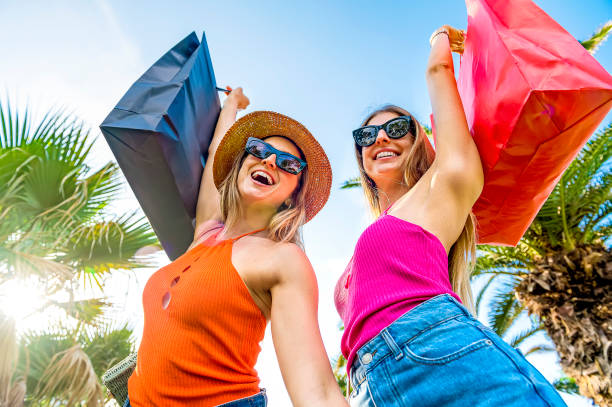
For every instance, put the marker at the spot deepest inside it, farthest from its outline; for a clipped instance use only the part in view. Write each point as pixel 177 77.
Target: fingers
pixel 238 95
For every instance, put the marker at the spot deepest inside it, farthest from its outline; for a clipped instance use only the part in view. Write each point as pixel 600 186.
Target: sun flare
pixel 20 300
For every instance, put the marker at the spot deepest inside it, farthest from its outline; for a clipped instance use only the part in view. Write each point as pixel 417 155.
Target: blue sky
pixel 324 63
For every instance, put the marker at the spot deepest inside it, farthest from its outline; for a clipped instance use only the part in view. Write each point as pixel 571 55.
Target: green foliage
pixel 567 385
pixel 57 229
pixel 53 217
pixel 593 43
pixel 104 346
pixel 578 210
pixel 351 183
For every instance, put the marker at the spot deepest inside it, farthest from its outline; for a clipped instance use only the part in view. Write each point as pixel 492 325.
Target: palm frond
pixel 70 376
pixel 593 43
pixel 540 348
pixel 106 346
pixel 100 189
pixel 566 385
pixel 519 338
pixel 583 189
pixel 354 182
pixel 502 260
pixel 21 265
pixel 482 292
pixel 505 308
pixel 88 311
pixel 106 245
pixel 94 349
pixel 10 386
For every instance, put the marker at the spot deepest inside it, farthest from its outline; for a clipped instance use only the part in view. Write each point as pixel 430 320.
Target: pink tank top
pixel 396 266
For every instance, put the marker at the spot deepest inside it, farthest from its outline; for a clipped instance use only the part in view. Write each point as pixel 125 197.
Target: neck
pixel 254 217
pixel 389 193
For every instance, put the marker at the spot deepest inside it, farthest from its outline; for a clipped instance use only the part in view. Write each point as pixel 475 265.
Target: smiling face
pixel 385 159
pixel 261 181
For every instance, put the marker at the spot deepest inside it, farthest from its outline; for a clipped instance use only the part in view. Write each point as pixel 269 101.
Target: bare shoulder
pixel 284 260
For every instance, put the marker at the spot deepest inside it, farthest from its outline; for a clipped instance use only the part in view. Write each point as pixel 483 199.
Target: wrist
pixel 230 102
pixel 436 34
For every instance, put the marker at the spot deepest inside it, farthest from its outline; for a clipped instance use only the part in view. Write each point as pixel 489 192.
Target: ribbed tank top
pixel 396 265
pixel 201 349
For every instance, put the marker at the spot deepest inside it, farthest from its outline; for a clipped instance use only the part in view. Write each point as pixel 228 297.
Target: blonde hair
pixel 462 255
pixel 286 224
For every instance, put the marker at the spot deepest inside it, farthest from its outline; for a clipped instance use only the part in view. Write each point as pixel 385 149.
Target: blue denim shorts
pixel 258 400
pixel 437 354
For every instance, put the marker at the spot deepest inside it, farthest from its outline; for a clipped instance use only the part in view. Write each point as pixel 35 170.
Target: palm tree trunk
pixel 571 292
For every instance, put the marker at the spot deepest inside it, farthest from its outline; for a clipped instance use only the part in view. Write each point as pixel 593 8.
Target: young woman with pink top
pixel 410 337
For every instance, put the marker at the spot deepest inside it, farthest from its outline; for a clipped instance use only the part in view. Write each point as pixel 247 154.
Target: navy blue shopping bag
pixel 159 133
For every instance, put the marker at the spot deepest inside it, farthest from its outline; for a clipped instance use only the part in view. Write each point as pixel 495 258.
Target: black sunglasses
pixel 395 128
pixel 285 161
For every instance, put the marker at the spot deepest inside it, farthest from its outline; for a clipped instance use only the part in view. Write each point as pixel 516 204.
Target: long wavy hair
pixel 286 224
pixel 462 255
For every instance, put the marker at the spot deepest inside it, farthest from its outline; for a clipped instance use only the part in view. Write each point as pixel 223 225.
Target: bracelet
pixel 438 32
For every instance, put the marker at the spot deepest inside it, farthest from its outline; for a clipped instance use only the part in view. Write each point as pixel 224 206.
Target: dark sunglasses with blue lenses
pixel 395 128
pixel 285 161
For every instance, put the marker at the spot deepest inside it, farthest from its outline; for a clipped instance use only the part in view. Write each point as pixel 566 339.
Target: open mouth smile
pixel 262 177
pixel 385 154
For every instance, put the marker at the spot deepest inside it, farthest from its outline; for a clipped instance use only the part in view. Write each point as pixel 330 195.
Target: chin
pixel 250 194
pixel 388 170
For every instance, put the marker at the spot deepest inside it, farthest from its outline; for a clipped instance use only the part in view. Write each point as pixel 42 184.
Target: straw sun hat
pixel 263 124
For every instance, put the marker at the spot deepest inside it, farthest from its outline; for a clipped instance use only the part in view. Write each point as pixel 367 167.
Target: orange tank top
pixel 201 335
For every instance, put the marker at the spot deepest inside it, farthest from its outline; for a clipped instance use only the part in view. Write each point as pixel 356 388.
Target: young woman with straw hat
pixel 410 337
pixel 206 312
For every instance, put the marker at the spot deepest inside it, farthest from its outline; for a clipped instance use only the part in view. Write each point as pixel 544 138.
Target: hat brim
pixel 262 124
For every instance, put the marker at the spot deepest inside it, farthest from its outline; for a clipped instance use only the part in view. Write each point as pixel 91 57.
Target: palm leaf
pixel 593 43
pixel 566 385
pixel 502 260
pixel 106 346
pixel 12 388
pixel 482 292
pixel 57 358
pixel 540 348
pixel 89 311
pixel 505 308
pixel 351 183
pixel 70 376
pixel 582 190
pixel 519 338
pixel 21 265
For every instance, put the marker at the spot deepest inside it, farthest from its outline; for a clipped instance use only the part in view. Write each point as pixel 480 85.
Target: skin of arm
pixel 208 197
pixel 456 153
pixel 442 199
pixel 297 339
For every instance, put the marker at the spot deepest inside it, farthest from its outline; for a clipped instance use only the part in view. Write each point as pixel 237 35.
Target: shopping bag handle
pixel 226 91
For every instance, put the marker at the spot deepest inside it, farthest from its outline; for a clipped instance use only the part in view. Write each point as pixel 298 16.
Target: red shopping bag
pixel 532 97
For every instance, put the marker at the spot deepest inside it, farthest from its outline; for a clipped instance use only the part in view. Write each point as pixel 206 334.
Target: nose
pixel 382 137
pixel 270 161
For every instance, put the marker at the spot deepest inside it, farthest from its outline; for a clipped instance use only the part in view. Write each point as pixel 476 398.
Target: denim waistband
pixel 420 318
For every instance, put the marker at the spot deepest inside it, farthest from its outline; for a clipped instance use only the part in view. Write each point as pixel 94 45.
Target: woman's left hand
pixel 456 38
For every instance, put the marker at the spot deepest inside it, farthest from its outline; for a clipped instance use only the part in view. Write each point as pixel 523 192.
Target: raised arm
pixel 443 198
pixel 299 348
pixel 457 159
pixel 208 197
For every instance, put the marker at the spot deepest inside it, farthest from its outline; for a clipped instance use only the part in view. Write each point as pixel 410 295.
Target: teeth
pixel 262 174
pixel 383 154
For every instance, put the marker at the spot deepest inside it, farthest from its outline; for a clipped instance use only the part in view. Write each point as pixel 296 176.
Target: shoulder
pixel 293 266
pixel 285 261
